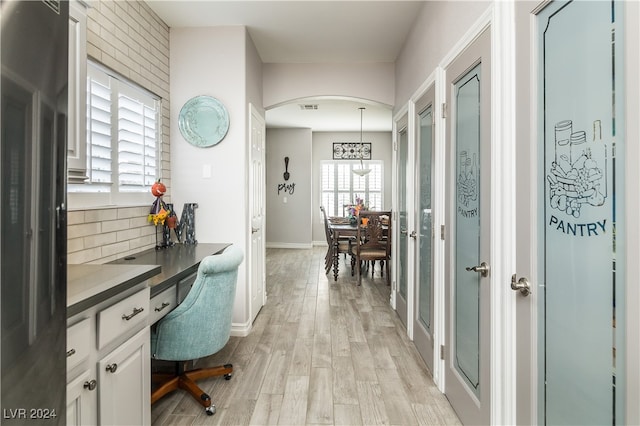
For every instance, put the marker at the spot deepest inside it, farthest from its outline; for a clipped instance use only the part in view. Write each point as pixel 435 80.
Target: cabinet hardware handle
pixel 71 352
pixel 164 305
pixel 135 312
pixel 111 368
pixel 90 385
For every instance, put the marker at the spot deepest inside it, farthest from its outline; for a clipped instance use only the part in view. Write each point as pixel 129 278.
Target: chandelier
pixel 362 170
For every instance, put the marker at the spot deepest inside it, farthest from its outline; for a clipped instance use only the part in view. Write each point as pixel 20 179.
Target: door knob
pixel 483 268
pixel 413 235
pixel 91 385
pixel 522 284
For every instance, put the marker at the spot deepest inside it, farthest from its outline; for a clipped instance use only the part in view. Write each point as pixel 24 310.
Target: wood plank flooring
pixel 320 352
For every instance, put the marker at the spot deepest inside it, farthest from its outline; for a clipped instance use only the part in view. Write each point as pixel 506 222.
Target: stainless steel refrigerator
pixel 33 117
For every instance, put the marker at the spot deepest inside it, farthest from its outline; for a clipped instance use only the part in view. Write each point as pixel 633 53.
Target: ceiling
pixel 310 31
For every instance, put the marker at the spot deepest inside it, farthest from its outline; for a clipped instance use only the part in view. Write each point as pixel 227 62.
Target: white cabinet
pixel 77 100
pixel 125 388
pixel 108 362
pixel 82 400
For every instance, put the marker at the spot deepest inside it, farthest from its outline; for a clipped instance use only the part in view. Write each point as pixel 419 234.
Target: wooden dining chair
pixel 373 242
pixel 344 244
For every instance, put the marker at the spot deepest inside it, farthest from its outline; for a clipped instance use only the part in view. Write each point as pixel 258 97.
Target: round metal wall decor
pixel 203 121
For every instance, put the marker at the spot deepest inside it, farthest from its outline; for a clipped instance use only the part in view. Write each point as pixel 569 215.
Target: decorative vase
pixel 353 220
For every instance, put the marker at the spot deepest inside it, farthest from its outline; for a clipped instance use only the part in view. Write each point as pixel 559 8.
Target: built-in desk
pixel 110 309
pixel 176 262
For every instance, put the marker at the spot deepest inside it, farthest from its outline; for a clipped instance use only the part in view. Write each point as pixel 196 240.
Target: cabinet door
pixel 124 377
pixel 82 400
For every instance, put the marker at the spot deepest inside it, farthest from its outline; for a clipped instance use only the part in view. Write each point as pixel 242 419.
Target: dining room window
pixel 340 187
pixel 123 139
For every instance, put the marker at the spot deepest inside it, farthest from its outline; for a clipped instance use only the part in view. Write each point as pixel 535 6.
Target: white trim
pixel 241 329
pixel 503 215
pixel 534 216
pixel 289 245
pixel 439 220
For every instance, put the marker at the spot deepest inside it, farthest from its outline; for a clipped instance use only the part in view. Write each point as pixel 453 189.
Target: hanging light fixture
pixel 362 170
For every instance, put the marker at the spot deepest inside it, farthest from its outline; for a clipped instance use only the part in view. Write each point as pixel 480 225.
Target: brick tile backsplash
pixel 94 237
pixel 132 40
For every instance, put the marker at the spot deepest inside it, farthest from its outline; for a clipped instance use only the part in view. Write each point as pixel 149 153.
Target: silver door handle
pixel 522 284
pixel 254 230
pixel 413 235
pixel 403 231
pixel 483 268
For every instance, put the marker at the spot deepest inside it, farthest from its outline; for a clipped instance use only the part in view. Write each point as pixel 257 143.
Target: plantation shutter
pixel 339 186
pixel 136 139
pixel 99 115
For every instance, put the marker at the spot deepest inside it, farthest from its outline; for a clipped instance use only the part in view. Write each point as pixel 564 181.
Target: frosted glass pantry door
pixel 468 233
pixel 581 231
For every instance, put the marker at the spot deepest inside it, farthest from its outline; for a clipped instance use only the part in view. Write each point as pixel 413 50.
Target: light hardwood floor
pixel 320 352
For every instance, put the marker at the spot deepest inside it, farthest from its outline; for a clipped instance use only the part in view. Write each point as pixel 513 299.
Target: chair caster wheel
pixel 228 376
pixel 210 410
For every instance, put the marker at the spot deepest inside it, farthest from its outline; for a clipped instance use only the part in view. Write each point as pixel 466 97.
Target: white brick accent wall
pixel 128 37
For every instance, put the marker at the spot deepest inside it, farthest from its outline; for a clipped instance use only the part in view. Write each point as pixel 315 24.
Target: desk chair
pixel 200 326
pixel 373 241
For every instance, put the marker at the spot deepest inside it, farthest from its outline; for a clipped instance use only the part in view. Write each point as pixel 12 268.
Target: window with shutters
pixel 339 186
pixel 123 139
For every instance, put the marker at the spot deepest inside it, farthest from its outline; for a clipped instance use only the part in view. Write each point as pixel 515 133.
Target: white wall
pixel 285 82
pixel 289 214
pixel 381 149
pixel 436 30
pixel 214 62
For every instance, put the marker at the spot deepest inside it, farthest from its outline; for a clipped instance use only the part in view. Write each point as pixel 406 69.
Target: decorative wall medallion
pixel 203 121
pixel 351 151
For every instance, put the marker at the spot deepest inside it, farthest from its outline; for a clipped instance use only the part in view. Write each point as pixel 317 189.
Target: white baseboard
pixel 290 245
pixel 241 330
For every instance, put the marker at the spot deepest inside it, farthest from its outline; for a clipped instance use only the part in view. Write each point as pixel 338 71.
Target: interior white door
pixel 257 207
pixel 577 321
pixel 401 294
pixel 467 243
pixel 423 252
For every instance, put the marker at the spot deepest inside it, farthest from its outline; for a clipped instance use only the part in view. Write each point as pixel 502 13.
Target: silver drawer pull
pixel 91 385
pixel 111 368
pixel 164 305
pixel 71 352
pixel 135 312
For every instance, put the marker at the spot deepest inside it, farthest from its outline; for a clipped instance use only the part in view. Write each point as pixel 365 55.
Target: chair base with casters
pixel 197 328
pixel 186 380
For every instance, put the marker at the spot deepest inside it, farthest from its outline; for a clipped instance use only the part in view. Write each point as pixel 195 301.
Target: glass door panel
pixel 426 221
pixel 423 314
pixel 467 232
pixel 403 158
pixel 581 269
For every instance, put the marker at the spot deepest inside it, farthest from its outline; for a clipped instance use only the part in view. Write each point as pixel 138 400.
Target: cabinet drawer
pixel 78 343
pixel 127 315
pixel 162 304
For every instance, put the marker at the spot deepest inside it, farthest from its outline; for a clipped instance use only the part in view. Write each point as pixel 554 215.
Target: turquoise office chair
pixel 200 326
